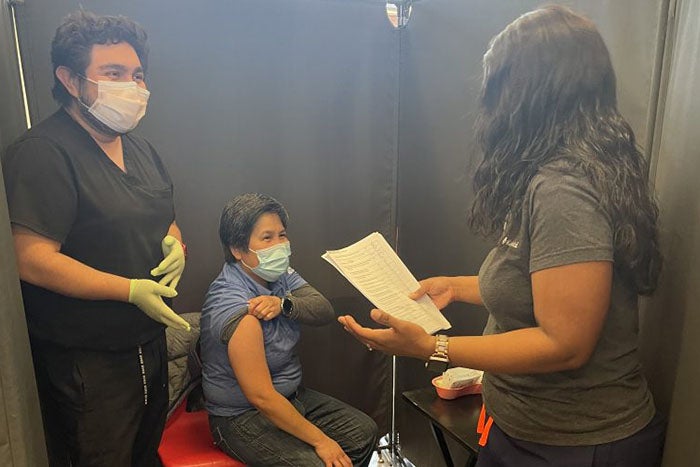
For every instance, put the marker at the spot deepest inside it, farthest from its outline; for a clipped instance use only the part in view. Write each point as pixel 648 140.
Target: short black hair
pixel 80 31
pixel 239 217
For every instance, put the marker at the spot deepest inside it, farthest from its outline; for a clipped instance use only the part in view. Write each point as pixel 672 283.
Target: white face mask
pixel 120 104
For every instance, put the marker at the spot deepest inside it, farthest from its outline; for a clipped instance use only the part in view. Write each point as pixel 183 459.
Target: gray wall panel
pixel 672 323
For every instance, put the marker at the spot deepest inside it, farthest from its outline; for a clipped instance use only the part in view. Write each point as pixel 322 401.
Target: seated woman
pixel 258 411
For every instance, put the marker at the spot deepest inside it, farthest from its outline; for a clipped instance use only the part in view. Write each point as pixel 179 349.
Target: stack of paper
pixel 372 266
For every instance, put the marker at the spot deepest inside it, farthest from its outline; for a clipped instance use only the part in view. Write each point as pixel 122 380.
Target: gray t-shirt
pixel 608 398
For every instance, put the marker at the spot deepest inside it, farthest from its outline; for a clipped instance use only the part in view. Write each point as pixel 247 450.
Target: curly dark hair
pixel 80 31
pixel 238 219
pixel 549 93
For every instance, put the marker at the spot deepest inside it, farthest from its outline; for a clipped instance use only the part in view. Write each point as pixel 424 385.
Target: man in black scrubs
pixel 93 221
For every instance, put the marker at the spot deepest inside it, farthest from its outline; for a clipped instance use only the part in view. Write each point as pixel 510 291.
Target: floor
pixel 383 457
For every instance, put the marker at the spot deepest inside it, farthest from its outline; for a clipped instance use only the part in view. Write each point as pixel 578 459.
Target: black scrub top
pixel 60 184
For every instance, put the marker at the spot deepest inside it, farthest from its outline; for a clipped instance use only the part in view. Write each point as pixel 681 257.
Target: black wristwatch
pixel 286 307
pixel 439 360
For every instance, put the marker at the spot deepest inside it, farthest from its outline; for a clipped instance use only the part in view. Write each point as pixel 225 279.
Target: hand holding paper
pixel 373 267
pixel 438 289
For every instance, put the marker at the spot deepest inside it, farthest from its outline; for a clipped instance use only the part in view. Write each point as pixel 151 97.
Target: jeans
pixel 255 440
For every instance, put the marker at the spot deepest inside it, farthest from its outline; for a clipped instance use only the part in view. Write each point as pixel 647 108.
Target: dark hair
pixel 239 217
pixel 549 93
pixel 80 31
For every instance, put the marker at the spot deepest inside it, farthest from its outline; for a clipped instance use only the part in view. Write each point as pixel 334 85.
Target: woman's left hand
pixel 265 307
pixel 401 338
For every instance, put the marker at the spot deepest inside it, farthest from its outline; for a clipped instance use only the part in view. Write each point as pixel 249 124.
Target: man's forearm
pixel 41 263
pixel 64 275
pixel 174 230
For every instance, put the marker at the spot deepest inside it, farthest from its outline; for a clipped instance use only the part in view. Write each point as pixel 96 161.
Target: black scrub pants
pixel 102 408
pixel 642 449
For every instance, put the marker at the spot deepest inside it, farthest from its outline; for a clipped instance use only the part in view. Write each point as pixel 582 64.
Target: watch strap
pixel 439 360
pixel 442 344
pixel 286 306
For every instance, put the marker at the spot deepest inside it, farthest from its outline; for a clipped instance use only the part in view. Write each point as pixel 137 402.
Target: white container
pixel 459 377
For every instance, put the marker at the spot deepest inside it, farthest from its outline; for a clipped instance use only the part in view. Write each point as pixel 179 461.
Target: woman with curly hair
pixel 564 187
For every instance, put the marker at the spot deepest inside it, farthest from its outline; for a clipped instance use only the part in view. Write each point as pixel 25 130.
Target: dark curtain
pixel 12 121
pixel 440 74
pixel 296 99
pixel 21 435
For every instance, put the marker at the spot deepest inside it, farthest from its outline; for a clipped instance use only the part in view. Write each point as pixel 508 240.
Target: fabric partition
pixel 358 127
pixel 12 121
pixel 296 99
pixel 440 73
pixel 671 321
pixel 21 436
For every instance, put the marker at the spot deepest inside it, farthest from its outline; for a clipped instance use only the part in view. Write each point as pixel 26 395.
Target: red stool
pixel 187 442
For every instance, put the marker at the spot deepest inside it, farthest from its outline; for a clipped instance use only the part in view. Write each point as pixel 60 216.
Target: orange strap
pixel 483 427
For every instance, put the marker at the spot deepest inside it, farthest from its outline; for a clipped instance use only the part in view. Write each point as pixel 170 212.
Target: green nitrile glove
pixel 173 263
pixel 147 295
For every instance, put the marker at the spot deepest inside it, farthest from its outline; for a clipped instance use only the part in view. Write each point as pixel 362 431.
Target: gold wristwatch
pixel 439 360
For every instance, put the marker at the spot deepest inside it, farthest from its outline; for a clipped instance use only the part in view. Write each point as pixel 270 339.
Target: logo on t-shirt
pixel 511 243
pixel 505 240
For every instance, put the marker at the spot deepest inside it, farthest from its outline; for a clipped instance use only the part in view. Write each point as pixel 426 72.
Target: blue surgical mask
pixel 272 261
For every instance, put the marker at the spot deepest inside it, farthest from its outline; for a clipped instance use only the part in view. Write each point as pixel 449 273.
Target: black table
pixel 458 418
